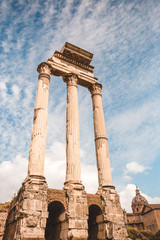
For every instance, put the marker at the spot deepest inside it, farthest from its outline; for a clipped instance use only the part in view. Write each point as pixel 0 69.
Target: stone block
pixel 31 221
pixel 99 219
pixel 101 227
pixel 78 234
pixel 44 206
pixel 101 235
pixel 62 217
pixel 38 205
pixel 64 226
pixel 78 224
pixel 44 214
pixel 25 204
pixel 30 205
pixel 43 222
pixel 33 238
pixel 63 234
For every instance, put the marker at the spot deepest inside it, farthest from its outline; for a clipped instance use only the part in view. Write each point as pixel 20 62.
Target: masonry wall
pixel 3 216
pixel 157 214
pixel 149 220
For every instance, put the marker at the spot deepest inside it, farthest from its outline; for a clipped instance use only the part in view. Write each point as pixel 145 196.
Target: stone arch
pixel 53 226
pixel 94 211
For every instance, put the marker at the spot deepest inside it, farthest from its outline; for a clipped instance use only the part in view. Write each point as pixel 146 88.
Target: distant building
pixel 145 216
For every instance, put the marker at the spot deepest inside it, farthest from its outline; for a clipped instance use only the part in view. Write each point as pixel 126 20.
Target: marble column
pixel 73 169
pixel 39 130
pixel 101 141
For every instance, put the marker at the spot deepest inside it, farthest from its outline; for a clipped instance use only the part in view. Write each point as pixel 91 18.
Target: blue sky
pixel 124 37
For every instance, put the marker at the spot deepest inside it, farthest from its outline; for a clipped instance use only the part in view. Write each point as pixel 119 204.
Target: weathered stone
pixel 73 169
pixel 113 215
pixel 99 219
pixel 39 130
pixel 72 214
pixel 77 213
pixel 3 216
pixel 27 218
pixel 62 217
pixel 101 141
pixel 31 221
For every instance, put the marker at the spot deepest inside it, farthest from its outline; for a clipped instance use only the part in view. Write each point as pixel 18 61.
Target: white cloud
pixel 55 165
pixel 134 167
pixel 127 177
pixel 16 91
pixel 127 193
pixel 125 43
pixel 3 90
pixel 129 132
pixel 152 200
pixel 12 174
pixel 89 177
pixel 55 169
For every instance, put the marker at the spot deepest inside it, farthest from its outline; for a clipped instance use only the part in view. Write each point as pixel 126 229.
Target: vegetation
pixel 4 206
pixel 135 234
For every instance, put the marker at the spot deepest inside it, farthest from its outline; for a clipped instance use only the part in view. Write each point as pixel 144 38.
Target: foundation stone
pixel 113 215
pixel 28 211
pixel 72 214
pixel 76 224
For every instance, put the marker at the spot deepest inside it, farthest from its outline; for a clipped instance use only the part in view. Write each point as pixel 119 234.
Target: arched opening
pixel 94 211
pixel 53 226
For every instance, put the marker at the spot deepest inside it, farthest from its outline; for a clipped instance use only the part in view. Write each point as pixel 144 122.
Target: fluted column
pixel 101 142
pixel 73 170
pixel 39 130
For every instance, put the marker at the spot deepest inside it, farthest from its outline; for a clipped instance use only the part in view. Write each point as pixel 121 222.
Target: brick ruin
pixel 41 213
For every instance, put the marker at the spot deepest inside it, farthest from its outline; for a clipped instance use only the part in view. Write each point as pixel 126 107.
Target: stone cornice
pixel 76 53
pixel 73 61
pixel 62 68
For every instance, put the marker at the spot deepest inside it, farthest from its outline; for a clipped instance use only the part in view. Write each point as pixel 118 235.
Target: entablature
pixel 73 60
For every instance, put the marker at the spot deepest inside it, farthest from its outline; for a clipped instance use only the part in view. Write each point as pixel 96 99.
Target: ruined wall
pixel 63 211
pixel 56 195
pixel 4 208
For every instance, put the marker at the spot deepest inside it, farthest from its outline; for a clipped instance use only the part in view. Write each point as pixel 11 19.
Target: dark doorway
pixel 53 226
pixel 94 211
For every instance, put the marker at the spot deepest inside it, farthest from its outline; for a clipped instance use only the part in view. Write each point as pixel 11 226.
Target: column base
pixel 113 217
pixel 75 225
pixel 104 188
pixel 73 185
pixel 28 212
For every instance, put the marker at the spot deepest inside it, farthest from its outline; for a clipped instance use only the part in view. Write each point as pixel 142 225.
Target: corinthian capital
pixel 44 68
pixel 96 89
pixel 71 80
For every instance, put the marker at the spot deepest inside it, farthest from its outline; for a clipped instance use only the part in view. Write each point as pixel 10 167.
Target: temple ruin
pixel 41 213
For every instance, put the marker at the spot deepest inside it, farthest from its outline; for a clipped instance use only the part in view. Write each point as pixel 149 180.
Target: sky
pixel 124 36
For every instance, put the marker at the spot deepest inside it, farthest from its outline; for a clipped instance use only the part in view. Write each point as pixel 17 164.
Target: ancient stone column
pixel 39 130
pixel 73 169
pixel 101 142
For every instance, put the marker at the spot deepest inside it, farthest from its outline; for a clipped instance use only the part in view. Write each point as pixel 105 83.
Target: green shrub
pixel 158 235
pixel 150 235
pixel 136 234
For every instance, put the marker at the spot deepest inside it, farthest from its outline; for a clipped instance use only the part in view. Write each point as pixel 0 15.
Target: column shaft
pixel 39 130
pixel 101 142
pixel 73 170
